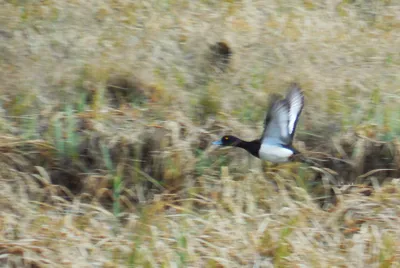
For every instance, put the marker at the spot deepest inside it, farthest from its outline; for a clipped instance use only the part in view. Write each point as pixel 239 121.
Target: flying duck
pixel 275 144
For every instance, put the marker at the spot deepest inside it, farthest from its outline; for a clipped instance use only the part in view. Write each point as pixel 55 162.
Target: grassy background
pixel 107 113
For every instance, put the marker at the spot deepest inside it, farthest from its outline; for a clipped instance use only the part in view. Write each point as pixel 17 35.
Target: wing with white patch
pixel 276 123
pixel 295 99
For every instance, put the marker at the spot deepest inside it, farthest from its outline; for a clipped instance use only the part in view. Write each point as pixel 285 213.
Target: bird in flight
pixel 275 144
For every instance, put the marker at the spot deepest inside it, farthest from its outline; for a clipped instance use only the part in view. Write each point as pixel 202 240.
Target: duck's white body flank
pixel 274 153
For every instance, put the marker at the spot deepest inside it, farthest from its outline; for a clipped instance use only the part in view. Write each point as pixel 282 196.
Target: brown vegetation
pixel 108 109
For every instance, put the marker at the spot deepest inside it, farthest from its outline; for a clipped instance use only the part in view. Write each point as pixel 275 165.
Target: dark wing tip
pixel 295 85
pixel 295 88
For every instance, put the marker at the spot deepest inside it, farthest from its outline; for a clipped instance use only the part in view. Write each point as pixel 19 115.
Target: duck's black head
pixel 228 140
pixel 251 146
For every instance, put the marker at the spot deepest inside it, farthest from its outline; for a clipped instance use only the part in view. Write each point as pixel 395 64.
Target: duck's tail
pixel 299 157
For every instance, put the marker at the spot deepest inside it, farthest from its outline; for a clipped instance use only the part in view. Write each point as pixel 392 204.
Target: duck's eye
pixel 226 138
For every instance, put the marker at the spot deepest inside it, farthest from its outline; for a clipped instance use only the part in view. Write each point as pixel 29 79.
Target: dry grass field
pixel 108 109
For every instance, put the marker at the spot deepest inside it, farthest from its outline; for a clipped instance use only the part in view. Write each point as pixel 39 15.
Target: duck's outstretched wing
pixel 276 122
pixel 272 99
pixel 295 99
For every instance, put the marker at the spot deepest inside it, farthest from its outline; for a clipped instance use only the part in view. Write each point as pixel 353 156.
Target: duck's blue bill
pixel 217 143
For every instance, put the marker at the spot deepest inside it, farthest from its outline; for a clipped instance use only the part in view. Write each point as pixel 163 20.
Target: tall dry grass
pixel 107 113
